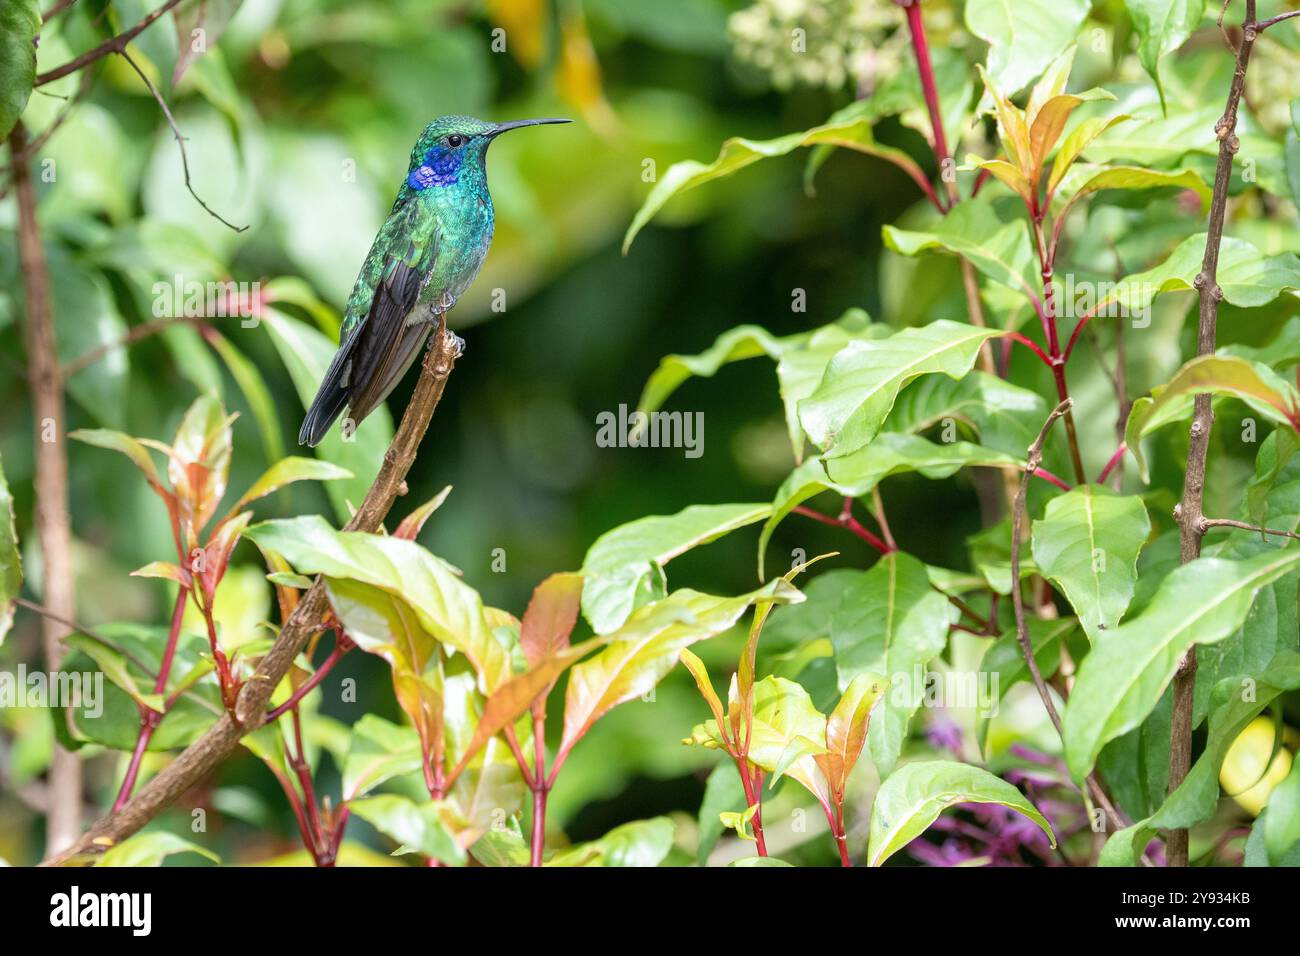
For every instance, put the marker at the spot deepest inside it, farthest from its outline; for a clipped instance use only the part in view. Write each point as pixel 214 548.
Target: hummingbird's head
pixel 450 144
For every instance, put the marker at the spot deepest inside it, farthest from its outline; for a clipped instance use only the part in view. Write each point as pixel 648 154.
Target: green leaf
pixel 286 471
pixel 11 564
pixel 622 566
pixel 892 623
pixel 1257 385
pixel 119 442
pixel 20 22
pixel 640 843
pixel 447 607
pixel 383 624
pixel 913 796
pixel 1282 820
pixel 306 354
pixel 863 379
pixel 855 475
pixel 760 861
pixel 631 666
pixel 1084 180
pixel 1247 277
pixel 737 153
pixel 734 345
pixel 1162 26
pixel 249 379
pixel 990 554
pixel 973 230
pixel 800 370
pixel 1024 36
pixel 114 666
pixel 1197 796
pixel 1281 351
pixel 846 730
pixel 1087 544
pixel 150 849
pixel 426 827
pixel 1123 676
pixel 786 733
pixel 1074 144
pixel 490 785
pixel 1006 416
pixel 378 751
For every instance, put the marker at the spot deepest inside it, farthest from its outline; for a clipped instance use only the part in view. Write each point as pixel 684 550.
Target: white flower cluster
pixel 833 43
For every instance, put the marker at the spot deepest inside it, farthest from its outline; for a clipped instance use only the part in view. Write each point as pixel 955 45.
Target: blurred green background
pixel 299 123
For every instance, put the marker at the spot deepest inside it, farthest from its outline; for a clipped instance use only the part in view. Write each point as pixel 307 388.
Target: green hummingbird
pixel 426 255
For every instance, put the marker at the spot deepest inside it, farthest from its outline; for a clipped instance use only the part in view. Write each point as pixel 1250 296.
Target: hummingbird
pixel 427 253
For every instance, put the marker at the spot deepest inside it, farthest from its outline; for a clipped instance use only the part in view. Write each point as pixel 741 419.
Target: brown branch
pixel 115 44
pixel 136 333
pixel 1208 523
pixel 1188 513
pixel 53 522
pixel 55 10
pixel 1032 461
pixel 1271 21
pixel 180 141
pixel 199 759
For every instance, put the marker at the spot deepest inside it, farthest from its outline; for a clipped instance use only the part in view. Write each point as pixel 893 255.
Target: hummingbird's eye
pixel 455 140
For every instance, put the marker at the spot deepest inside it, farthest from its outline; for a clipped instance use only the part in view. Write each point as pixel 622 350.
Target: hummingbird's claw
pixel 455 343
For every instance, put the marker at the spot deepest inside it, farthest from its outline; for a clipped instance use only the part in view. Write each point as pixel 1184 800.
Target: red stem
pixel 539 826
pixel 1115 459
pixel 539 784
pixel 1051 478
pixel 1031 345
pixel 133 768
pixel 922 48
pixel 836 820
pixel 342 646
pixel 850 523
pixel 149 719
pixel 752 799
pixel 1078 329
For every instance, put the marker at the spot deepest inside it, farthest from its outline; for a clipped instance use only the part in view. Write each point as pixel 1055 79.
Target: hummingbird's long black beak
pixel 516 124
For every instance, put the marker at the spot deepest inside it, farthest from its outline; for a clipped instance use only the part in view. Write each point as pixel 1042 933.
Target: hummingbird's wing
pixel 377 348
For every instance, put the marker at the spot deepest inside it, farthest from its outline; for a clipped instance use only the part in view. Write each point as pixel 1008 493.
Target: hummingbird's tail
pixel 324 410
pixel 331 398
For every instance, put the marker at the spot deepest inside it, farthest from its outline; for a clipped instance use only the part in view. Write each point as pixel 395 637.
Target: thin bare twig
pixel 1208 523
pixel 180 141
pixel 1189 511
pixel 55 10
pixel 197 760
pixel 136 333
pixel 115 44
pixel 1032 460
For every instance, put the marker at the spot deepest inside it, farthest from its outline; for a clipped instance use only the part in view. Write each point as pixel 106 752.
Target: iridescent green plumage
pixel 425 256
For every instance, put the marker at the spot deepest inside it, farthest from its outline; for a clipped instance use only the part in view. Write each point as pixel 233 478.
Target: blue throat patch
pixel 441 167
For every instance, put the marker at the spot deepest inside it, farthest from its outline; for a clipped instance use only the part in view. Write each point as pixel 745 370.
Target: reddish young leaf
pixel 551 615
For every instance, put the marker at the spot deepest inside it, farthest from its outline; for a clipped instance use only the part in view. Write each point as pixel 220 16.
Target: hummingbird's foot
pixel 454 342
